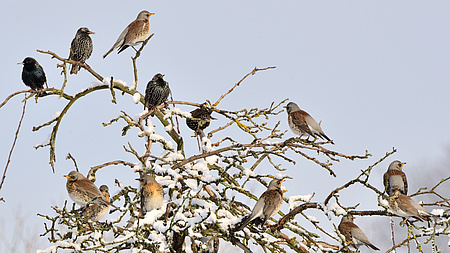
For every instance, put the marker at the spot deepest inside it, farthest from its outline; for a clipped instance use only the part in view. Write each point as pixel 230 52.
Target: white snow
pixel 292 200
pixel 56 115
pixel 438 212
pixel 95 84
pixel 177 111
pixel 45 143
pixel 107 81
pixel 133 85
pixel 168 128
pixel 136 97
pixel 121 82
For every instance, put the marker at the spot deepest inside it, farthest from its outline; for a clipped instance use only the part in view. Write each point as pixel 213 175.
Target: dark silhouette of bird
pixel 395 179
pixel 201 118
pixel 33 74
pixel 136 32
pixel 353 233
pixel 267 205
pixel 302 123
pixel 80 48
pixel 156 93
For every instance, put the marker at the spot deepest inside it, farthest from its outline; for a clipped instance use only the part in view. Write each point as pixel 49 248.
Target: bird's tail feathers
pixel 372 246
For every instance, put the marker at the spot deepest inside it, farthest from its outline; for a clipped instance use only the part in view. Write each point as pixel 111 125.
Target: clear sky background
pixel 375 73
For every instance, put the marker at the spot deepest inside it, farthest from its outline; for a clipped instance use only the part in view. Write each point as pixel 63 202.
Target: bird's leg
pixel 134 49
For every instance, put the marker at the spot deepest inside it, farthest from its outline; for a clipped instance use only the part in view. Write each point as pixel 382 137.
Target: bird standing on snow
pixel 80 48
pixel 302 123
pixel 267 205
pixel 97 211
pixel 156 93
pixel 152 193
pixel 395 179
pixel 136 32
pixel 83 191
pixel 353 233
pixel 404 206
pixel 33 74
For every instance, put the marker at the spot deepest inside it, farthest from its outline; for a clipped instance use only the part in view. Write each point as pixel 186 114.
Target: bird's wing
pixel 299 119
pixel 119 41
pixel 409 206
pixel 91 191
pixel 344 229
pixel 273 202
pixel 386 181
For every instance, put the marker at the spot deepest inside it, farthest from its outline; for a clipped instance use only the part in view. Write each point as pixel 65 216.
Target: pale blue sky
pixel 376 74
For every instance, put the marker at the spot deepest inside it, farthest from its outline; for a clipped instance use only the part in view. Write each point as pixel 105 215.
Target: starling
pixel 80 48
pixel 136 32
pixel 395 178
pixel 302 123
pixel 201 117
pixel 33 74
pixel 156 93
pixel 353 233
pixel 267 205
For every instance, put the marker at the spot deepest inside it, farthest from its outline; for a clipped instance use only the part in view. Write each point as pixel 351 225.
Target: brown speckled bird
pixel 80 48
pixel 303 124
pixel 97 211
pixel 395 179
pixel 136 32
pixel 83 191
pixel 267 205
pixel 152 193
pixel 404 206
pixel 353 233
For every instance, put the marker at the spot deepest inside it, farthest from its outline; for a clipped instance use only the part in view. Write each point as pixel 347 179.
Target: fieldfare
pixel 404 206
pixel 395 179
pixel 152 193
pixel 83 191
pixel 353 234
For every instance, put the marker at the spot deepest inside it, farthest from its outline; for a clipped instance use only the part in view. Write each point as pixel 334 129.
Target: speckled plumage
pixel 97 211
pixel 81 48
pixel 82 190
pixel 303 124
pixel 353 233
pixel 33 74
pixel 136 32
pixel 267 205
pixel 395 179
pixel 157 92
pixel 404 206
pixel 152 193
pixel 201 118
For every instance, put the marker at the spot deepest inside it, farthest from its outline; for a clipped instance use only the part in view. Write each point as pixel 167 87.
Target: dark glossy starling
pixel 156 93
pixel 136 32
pixel 201 117
pixel 81 48
pixel 33 74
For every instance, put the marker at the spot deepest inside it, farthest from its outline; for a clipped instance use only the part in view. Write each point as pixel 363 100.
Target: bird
pixel 302 123
pixel 80 48
pixel 136 32
pixel 201 118
pixel 33 74
pixel 97 211
pixel 404 206
pixel 353 233
pixel 268 204
pixel 152 193
pixel 156 93
pixel 83 191
pixel 395 179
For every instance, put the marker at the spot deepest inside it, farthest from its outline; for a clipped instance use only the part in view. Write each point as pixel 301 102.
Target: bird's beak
pixel 66 176
pixel 284 107
pixel 90 32
pixel 138 179
pixel 403 164
pixel 282 181
pixel 151 14
pixel 20 63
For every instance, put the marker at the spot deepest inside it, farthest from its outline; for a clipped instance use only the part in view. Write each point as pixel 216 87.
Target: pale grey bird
pixel 83 191
pixel 136 32
pixel 353 234
pixel 395 179
pixel 303 124
pixel 267 205
pixel 404 206
pixel 152 193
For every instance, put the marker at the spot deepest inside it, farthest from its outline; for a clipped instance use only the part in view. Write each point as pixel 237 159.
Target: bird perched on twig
pixel 97 211
pixel 267 205
pixel 136 32
pixel 404 206
pixel 80 48
pixel 303 124
pixel 395 179
pixel 33 74
pixel 83 191
pixel 353 233
pixel 156 93
pixel 152 193
pixel 201 118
